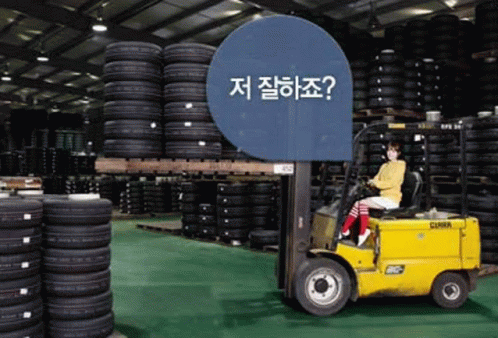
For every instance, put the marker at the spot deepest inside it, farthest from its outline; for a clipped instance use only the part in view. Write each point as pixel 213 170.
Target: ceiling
pixel 62 30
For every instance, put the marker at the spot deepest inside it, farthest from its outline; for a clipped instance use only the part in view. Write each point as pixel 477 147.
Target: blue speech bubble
pixel 280 88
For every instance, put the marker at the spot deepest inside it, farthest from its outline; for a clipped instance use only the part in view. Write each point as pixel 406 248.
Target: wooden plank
pixel 485 54
pixel 171 226
pixel 8 182
pixel 165 166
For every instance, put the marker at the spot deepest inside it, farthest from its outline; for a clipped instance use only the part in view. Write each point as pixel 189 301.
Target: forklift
pixel 413 251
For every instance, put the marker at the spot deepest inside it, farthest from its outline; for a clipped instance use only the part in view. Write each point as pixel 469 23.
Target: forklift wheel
pixel 322 286
pixel 450 290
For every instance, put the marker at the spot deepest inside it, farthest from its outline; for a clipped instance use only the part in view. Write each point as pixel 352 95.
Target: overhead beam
pixel 213 24
pixel 278 6
pixel 332 5
pixel 87 5
pixel 134 10
pixel 386 9
pixel 30 83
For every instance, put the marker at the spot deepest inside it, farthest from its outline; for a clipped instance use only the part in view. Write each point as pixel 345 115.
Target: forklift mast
pixel 296 193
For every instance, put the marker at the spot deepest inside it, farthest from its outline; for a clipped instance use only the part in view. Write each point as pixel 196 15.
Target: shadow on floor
pixel 131 332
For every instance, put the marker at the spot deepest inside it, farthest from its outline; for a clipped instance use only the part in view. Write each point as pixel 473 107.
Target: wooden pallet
pixel 172 227
pixel 485 54
pixel 388 114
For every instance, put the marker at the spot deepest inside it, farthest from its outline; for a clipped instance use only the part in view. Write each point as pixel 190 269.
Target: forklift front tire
pixel 322 286
pixel 450 290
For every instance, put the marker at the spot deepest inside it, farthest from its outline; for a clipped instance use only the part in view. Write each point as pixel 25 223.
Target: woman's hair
pixel 395 145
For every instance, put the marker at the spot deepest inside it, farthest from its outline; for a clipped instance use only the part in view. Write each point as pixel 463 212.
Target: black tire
pixel 191 131
pixel 19 290
pixel 19 266
pixel 262 199
pixel 388 102
pixel 450 290
pixel 190 218
pixel 193 149
pixel 385 91
pixel 263 222
pixel 185 72
pixel 77 237
pixel 133 51
pixel 131 71
pixel 382 70
pixel 321 272
pixel 132 148
pixel 207 209
pixel 18 241
pixel 133 129
pixel 207 220
pixel 382 81
pixel 35 331
pixel 185 91
pixel 233 189
pixel 489 257
pixel 190 208
pixel 233 233
pixel 100 327
pixel 188 52
pixel 69 212
pixel 234 212
pixel 234 223
pixel 263 210
pixel 190 229
pixel 132 90
pixel 76 261
pixel 20 213
pixel 232 200
pixel 207 231
pixel 489 244
pixel 132 110
pixel 263 188
pixel 263 237
pixel 76 285
pixel 187 111
pixel 21 316
pixel 76 308
pixel 488 231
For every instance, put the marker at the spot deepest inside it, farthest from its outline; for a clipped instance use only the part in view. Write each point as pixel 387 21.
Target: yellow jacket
pixel 390 178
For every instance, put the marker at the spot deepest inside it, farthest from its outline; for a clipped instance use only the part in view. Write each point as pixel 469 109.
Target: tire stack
pixel 234 212
pixel 189 206
pixel 466 41
pixel 76 279
pixel 487 84
pixel 457 92
pixel 413 89
pixel 416 41
pixel 176 190
pixel 394 37
pixel 103 187
pixel 21 305
pixel 386 80
pixel 359 69
pixel 444 34
pixel 189 131
pixel 432 85
pixel 263 199
pixel 157 197
pixel 133 198
pixel 132 112
pixel 208 220
pixel 487 24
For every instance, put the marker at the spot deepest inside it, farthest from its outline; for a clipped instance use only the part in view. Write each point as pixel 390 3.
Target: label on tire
pixel 23 291
pixel 27 217
pixel 26 315
pixel 24 265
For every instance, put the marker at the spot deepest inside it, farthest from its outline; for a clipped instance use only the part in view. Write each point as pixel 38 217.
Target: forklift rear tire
pixel 322 286
pixel 450 290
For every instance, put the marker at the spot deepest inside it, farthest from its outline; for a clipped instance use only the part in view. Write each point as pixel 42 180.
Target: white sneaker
pixel 344 234
pixel 363 238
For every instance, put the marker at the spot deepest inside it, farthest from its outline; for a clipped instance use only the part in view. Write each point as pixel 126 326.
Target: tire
pixel 18 241
pixel 185 72
pixel 263 222
pixel 188 52
pixel 131 71
pixel 190 229
pixel 233 189
pixel 187 111
pixel 76 261
pixel 19 290
pixel 21 316
pixel 193 149
pixel 263 188
pixel 450 290
pixel 19 213
pixel 263 210
pixel 489 244
pixel 207 231
pixel 382 81
pixel 384 70
pixel 263 237
pixel 232 200
pixel 313 279
pixel 207 220
pixel 35 331
pixel 384 91
pixel 100 327
pixel 68 212
pixel 234 212
pixel 77 308
pixel 133 51
pixel 387 102
pixel 262 199
pixel 191 131
pixel 488 231
pixel 77 237
pixel 189 208
pixel 207 209
pixel 19 266
pixel 133 129
pixel 190 218
pixel 76 285
pixel 234 223
pixel 132 110
pixel 233 234
pixel 489 257
pixel 185 91
pixel 132 90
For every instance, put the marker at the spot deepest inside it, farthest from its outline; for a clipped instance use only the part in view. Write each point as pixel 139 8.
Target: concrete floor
pixel 167 286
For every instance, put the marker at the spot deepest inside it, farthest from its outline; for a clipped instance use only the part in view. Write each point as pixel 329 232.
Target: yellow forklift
pixel 411 252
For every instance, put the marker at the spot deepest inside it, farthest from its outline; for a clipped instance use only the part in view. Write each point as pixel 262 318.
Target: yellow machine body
pixel 402 257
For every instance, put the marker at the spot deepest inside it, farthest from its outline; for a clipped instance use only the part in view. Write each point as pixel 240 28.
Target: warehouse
pixel 140 200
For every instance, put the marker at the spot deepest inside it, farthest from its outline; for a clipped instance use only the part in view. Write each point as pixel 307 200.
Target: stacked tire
pixel 416 41
pixel 394 37
pixel 487 85
pixel 444 33
pixel 21 305
pixel 189 131
pixel 132 200
pixel 386 80
pixel 234 212
pixel 76 260
pixel 132 112
pixel 432 85
pixel 487 24
pixel 157 197
pixel 263 199
pixel 359 69
pixel 189 206
pixel 413 89
pixel 207 220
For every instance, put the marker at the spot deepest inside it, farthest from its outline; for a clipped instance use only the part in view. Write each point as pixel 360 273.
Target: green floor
pixel 167 286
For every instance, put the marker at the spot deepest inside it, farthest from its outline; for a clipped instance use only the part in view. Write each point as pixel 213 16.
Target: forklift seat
pixel 410 202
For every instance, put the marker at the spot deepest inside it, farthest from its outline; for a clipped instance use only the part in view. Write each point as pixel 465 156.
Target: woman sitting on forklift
pixel 388 180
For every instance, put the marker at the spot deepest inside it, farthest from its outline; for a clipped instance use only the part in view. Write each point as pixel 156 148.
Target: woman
pixel 388 180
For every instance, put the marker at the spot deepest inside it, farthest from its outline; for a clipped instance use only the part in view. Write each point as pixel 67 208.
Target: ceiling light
pixel 99 27
pixel 257 16
pixel 6 78
pixel 55 109
pixel 42 58
pixel 373 21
